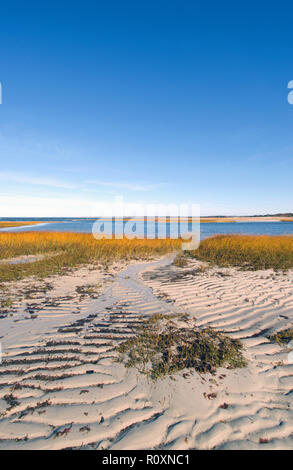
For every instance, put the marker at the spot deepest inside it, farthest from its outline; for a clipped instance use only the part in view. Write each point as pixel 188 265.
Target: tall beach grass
pixel 248 251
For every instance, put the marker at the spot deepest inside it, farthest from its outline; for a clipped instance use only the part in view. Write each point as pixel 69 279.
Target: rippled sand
pixel 60 386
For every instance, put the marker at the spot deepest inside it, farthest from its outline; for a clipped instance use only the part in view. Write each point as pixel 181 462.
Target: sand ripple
pixel 60 386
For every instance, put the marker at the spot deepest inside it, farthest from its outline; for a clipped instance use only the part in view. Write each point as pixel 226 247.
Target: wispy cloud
pixel 20 178
pixel 83 186
pixel 130 186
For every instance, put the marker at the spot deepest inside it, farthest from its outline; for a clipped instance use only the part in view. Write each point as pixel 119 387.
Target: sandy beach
pixel 146 230
pixel 61 388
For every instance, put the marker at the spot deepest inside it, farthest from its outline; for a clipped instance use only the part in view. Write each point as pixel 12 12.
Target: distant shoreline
pixel 18 223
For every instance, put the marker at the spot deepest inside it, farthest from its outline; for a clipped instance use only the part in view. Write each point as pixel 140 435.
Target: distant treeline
pixel 285 214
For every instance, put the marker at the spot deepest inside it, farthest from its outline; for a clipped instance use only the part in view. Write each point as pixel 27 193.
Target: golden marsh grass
pixel 248 251
pixel 71 250
pixel 7 224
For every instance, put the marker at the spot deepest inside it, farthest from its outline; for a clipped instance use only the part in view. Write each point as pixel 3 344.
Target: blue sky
pixel 156 102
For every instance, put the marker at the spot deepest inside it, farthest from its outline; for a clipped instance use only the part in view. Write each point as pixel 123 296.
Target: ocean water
pixel 172 230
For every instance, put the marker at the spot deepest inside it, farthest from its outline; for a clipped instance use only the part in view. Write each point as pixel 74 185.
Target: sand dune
pixel 60 386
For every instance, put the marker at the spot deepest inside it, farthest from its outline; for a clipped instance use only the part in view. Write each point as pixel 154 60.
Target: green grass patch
pixel 164 346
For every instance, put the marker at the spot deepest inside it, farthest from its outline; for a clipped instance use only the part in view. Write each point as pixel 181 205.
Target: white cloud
pixel 33 206
pixel 17 206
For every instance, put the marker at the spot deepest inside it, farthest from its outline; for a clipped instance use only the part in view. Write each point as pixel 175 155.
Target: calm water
pixel 139 228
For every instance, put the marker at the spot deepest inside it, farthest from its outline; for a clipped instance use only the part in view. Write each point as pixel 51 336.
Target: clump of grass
pixel 72 250
pixel 163 347
pixel 180 260
pixel 282 337
pixel 11 400
pixel 249 252
pixel 88 289
pixel 202 269
pixel 6 303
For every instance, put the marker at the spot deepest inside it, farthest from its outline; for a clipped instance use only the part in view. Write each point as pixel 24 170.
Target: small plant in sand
pixel 203 268
pixel 11 400
pixel 249 252
pixel 180 260
pixel 282 337
pixel 167 344
pixel 6 303
pixel 90 290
